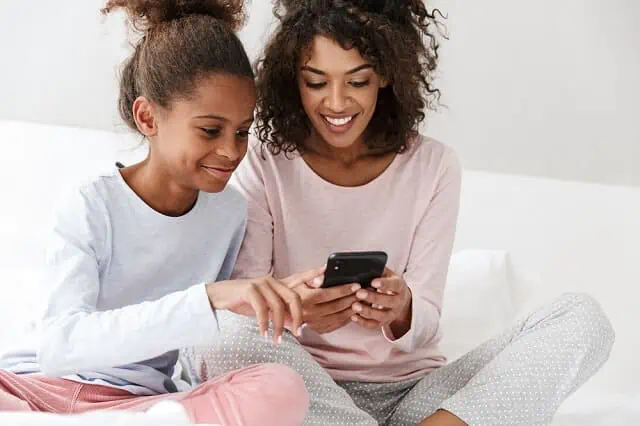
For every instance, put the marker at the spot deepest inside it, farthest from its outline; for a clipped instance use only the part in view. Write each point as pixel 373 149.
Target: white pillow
pixel 477 300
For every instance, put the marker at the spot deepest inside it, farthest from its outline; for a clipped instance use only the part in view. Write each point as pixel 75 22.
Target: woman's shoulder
pixel 425 151
pixel 260 162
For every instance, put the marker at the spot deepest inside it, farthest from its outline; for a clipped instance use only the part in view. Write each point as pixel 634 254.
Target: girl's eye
pixel 359 83
pixel 311 85
pixel 211 132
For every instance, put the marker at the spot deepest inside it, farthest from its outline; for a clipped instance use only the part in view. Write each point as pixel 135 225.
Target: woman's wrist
pixel 401 325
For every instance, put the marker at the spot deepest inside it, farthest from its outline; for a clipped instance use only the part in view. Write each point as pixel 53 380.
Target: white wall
pixel 546 88
pixel 543 88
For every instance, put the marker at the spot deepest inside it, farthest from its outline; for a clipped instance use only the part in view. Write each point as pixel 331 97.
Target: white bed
pixel 521 241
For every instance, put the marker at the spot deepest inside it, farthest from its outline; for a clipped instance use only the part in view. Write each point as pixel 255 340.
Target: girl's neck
pixel 156 188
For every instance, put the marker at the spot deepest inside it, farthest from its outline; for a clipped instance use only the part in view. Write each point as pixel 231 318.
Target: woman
pixel 342 89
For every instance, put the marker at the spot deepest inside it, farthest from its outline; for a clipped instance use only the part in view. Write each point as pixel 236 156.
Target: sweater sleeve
pixel 431 249
pixel 256 253
pixel 76 337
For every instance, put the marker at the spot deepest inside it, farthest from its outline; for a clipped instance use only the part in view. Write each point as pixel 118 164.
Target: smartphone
pixel 354 267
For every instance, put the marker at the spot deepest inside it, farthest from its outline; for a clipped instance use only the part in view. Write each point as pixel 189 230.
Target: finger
pixel 366 323
pixel 294 302
pixel 388 273
pixel 378 299
pixel 329 294
pixel 331 322
pixel 307 276
pixel 339 320
pixel 329 308
pixel 388 285
pixel 260 308
pixel 276 309
pixel 367 312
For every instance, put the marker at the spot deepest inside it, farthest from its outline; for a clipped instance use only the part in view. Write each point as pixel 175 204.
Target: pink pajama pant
pixel 268 394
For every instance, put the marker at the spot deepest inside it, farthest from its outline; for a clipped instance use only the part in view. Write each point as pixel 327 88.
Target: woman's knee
pixel 590 323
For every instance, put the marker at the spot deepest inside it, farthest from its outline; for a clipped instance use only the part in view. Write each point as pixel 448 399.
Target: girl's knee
pixel 283 394
pixel 288 381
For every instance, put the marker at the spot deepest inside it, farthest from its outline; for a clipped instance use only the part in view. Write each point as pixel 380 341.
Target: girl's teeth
pixel 339 121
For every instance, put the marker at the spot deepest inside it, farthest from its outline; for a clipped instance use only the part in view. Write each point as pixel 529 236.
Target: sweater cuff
pixel 201 314
pixel 420 327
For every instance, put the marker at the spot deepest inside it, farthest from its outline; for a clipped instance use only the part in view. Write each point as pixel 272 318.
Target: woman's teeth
pixel 338 121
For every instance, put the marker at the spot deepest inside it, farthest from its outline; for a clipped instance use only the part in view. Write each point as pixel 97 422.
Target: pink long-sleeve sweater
pixel 296 219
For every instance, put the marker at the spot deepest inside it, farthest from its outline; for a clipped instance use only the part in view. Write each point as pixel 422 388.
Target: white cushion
pixel 477 300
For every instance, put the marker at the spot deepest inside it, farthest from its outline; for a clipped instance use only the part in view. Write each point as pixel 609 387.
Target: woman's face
pixel 339 92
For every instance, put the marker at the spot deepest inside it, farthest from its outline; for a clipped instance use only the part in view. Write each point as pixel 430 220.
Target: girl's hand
pixel 265 298
pixel 388 303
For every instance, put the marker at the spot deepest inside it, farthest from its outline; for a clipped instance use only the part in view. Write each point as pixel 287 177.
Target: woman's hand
pixel 326 310
pixel 265 298
pixel 388 303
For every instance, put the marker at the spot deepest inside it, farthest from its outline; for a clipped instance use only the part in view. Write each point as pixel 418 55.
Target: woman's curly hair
pixel 400 38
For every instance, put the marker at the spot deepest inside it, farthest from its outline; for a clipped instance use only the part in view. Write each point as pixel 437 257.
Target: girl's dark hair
pixel 400 38
pixel 182 41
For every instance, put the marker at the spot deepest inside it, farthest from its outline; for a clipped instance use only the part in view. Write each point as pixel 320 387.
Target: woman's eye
pixel 359 83
pixel 243 133
pixel 315 85
pixel 211 132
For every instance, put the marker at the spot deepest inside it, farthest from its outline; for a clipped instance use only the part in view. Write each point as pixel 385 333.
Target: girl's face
pixel 339 92
pixel 199 141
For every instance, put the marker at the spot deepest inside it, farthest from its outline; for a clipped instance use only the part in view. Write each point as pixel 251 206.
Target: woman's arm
pixel 431 249
pixel 255 258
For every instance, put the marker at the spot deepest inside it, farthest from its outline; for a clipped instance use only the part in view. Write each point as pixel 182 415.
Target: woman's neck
pixel 156 188
pixel 346 157
pixel 353 166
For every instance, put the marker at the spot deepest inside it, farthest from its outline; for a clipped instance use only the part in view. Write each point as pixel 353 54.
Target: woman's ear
pixel 145 117
pixel 383 82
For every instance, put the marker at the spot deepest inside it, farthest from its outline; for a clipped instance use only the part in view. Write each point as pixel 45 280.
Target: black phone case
pixel 354 267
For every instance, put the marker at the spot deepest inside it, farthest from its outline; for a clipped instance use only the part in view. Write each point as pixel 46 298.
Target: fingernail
pixel 279 340
pixel 265 335
pixel 317 281
pixel 355 287
pixel 299 332
pixel 357 307
pixel 354 318
pixel 361 295
pixel 390 293
pixel 375 284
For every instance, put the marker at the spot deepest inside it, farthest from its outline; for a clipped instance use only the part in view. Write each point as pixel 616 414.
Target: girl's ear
pixel 145 116
pixel 383 82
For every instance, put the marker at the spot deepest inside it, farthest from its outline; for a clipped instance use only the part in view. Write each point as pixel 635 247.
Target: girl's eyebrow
pixel 217 117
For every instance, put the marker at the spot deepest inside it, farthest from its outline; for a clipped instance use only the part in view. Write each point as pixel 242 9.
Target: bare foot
pixel 442 418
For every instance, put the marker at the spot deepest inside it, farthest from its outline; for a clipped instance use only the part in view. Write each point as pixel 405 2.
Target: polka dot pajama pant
pixel 519 377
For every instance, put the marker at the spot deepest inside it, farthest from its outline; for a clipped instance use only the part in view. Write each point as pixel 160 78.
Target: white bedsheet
pixel 163 414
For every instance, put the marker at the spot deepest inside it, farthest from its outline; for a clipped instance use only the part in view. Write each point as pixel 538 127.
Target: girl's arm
pixel 76 337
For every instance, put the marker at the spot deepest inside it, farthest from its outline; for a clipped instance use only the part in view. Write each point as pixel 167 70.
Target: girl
pixel 343 168
pixel 140 258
